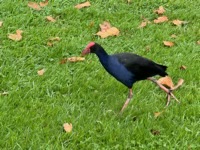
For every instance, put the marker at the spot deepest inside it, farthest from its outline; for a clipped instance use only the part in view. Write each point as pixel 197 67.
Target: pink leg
pixel 168 91
pixel 130 95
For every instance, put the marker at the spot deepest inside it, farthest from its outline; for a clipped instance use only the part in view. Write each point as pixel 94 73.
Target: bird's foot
pixel 168 91
pixel 169 95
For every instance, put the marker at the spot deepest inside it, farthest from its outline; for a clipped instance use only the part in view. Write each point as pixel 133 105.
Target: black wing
pixel 141 67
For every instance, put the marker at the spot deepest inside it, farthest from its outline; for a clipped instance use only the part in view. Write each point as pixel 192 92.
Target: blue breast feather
pixel 117 70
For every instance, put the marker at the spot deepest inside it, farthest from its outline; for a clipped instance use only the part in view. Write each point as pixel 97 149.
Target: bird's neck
pixel 102 55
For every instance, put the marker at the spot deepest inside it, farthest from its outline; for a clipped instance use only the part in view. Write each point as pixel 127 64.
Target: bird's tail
pixel 162 70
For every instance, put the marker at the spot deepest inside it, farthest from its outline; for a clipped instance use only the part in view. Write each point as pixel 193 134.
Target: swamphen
pixel 128 68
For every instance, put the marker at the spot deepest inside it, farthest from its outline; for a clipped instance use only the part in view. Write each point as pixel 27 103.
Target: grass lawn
pixel 33 112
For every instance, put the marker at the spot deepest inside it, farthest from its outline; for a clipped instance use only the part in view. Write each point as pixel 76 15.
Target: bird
pixel 128 68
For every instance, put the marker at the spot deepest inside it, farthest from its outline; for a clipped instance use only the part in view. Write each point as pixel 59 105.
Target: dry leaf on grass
pixel 41 72
pixel 34 6
pixel 107 30
pixel 182 67
pixel 4 93
pixel 168 43
pixel 67 127
pixel 178 22
pixel 155 132
pixel 50 19
pixel 143 24
pixel 161 19
pixel 52 41
pixel 17 36
pixel 43 4
pixel 105 26
pixel 54 38
pixel 129 1
pixel 160 10
pixel 1 23
pixel 156 114
pixel 75 59
pixel 198 42
pixel 72 59
pixel 174 36
pixel 166 81
pixel 50 44
pixel 86 4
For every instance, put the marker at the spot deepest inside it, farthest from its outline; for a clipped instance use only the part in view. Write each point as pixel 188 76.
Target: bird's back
pixel 141 67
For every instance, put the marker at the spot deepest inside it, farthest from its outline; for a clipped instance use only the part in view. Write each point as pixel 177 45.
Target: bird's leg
pixel 168 91
pixel 130 95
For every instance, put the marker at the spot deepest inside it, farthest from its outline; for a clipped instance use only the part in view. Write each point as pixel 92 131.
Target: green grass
pixel 34 111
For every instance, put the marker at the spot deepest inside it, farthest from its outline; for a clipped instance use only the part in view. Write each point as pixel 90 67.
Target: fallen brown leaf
pixel 198 42
pixel 182 67
pixel 161 19
pixel 1 23
pixel 85 4
pixel 49 44
pixel 41 72
pixel 4 93
pixel 67 127
pixel 129 1
pixel 166 81
pixel 156 114
pixel 155 132
pixel 110 32
pixel 75 59
pixel 17 36
pixel 143 24
pixel 105 26
pixel 34 6
pixel 168 43
pixel 55 38
pixel 43 4
pixel 107 30
pixel 50 19
pixel 160 10
pixel 148 47
pixel 174 36
pixel 177 22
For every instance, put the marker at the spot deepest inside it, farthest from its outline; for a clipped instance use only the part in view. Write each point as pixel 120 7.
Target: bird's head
pixel 90 48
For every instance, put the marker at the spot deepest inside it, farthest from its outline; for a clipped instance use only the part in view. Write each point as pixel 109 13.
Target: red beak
pixel 85 52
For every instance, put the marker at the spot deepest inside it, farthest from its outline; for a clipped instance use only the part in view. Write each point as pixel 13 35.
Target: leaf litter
pixel 37 6
pixel 160 10
pixel 41 72
pixel 161 19
pixel 182 67
pixel 72 59
pixel 17 36
pixel 67 127
pixel 43 4
pixel 82 5
pixel 52 41
pixel 168 83
pixel 1 23
pixel 50 19
pixel 107 30
pixel 168 43
pixel 34 6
